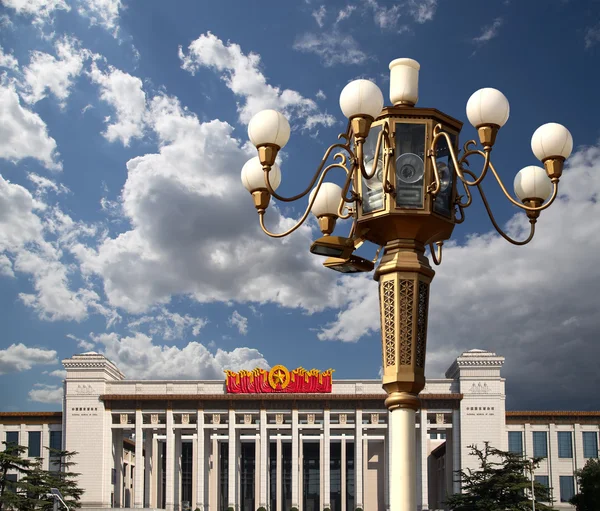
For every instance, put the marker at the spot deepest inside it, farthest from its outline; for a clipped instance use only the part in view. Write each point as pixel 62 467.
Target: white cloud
pixel 332 48
pixel 43 185
pixel 8 61
pixel 345 13
pixel 422 10
pixel 138 357
pixel 320 94
pixel 242 74
pixel 125 94
pixel 46 73
pixel 488 32
pixel 102 12
pixel 240 322
pixel 537 305
pixel 385 17
pixel 592 35
pixel 319 15
pixel 23 134
pixel 169 325
pixel 23 235
pixel 58 373
pixel 82 343
pixel 48 394
pixel 18 357
pixel 6 269
pixel 40 10
pixel 188 239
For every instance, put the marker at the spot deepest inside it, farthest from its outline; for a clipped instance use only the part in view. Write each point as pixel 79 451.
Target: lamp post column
pixel 404 276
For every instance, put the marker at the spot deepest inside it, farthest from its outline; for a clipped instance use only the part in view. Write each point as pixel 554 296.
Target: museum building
pixel 280 439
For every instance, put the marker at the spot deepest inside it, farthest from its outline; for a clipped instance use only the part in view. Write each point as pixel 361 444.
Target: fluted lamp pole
pixel 401 171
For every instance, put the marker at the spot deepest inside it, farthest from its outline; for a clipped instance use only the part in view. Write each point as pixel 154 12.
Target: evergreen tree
pixel 501 484
pixel 588 498
pixel 62 478
pixel 11 460
pixel 35 486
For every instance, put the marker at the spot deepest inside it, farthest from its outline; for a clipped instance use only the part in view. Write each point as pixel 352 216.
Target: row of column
pixel 147 487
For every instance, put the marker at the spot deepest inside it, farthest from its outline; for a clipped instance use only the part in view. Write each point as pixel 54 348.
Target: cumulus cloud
pixel 40 10
pixel 8 61
pixel 240 322
pixel 18 357
pixel 187 239
pixel 82 343
pixel 169 325
pixel 125 94
pixel 23 234
pixel 58 373
pixel 138 357
pixel 537 305
pixel 48 394
pixel 104 13
pixel 332 47
pixel 23 134
pixel 241 73
pixel 47 73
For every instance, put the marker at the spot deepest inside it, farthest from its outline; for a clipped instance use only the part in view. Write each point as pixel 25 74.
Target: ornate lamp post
pixel 402 166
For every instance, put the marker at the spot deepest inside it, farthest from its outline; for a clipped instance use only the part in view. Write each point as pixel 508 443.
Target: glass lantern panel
pixel 410 166
pixel 372 189
pixel 442 204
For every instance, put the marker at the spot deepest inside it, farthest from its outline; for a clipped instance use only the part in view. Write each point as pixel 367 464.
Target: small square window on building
pixel 35 444
pixel 567 488
pixel 515 442
pixel 565 444
pixel 590 444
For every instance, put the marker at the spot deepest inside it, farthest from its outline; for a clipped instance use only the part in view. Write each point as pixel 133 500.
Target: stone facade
pixel 188 444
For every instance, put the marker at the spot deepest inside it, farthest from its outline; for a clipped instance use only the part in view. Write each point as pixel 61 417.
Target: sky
pixel 125 229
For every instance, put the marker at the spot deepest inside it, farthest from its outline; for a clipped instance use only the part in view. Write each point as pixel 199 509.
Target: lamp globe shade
pixel 532 183
pixel 551 140
pixel 253 175
pixel 269 127
pixel 361 97
pixel 327 201
pixel 488 106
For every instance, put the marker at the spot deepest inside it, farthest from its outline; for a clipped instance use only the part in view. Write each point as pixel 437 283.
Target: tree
pixel 501 483
pixel 588 479
pixel 35 487
pixel 11 460
pixel 62 478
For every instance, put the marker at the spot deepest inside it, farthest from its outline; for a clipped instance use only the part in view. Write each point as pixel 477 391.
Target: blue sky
pixel 124 227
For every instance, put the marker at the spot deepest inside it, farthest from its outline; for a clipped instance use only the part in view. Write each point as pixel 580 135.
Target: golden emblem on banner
pixel 279 375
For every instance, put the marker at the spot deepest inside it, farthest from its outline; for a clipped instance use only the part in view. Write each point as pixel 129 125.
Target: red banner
pixel 278 380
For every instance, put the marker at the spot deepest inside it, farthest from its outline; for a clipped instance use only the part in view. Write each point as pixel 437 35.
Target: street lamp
pixel 402 166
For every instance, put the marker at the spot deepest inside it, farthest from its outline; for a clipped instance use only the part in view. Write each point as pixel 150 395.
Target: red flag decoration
pixel 278 380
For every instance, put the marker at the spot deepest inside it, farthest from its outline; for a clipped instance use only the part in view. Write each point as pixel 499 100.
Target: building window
pixel 433 436
pixel 543 480
pixel 565 444
pixel 567 488
pixel 11 480
pixel 56 440
pixel 34 445
pixel 540 444
pixel 515 442
pixel 590 444
pixel 12 437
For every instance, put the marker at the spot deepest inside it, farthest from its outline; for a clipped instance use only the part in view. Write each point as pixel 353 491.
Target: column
pixel 578 459
pixel 358 459
pixel 201 471
pixel 264 445
pixel 403 453
pixel 170 463
pixel 118 464
pixel 45 453
pixel 24 439
pixel 138 483
pixel 456 448
pixel 257 464
pixel 343 470
pixel 424 479
pixel 108 461
pixel 148 467
pixel 194 497
pixel 177 470
pixel 156 470
pixel 326 459
pixel 161 489
pixel 213 492
pixel 554 475
pixel 387 464
pixel 296 483
pixel 232 462
pixel 278 473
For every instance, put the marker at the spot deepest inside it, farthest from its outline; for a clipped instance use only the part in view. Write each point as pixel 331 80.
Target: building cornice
pixel 267 397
